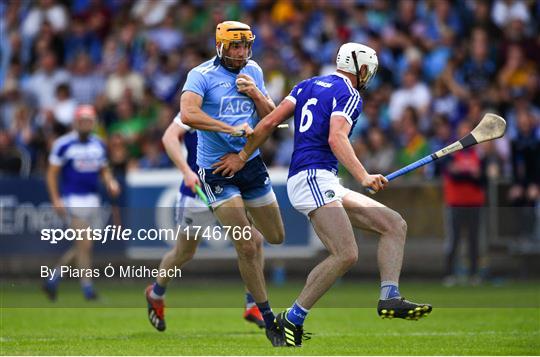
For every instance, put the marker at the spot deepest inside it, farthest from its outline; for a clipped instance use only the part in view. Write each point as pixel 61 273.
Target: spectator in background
pixel 11 97
pixel 23 131
pixel 45 10
pixel 406 28
pixel 153 157
pixel 120 163
pixel 412 93
pixel 111 56
pixel 275 78
pixel 442 137
pixel 80 40
pixel 10 44
pixel 13 161
pixel 98 16
pixel 464 196
pixel 47 40
pixel 525 191
pixel 151 61
pixel 151 12
pixel 517 73
pixel 64 107
pixel 129 125
pixel 522 100
pixel 124 83
pixel 476 74
pixel 413 144
pixel 43 82
pixel 165 82
pixel 166 36
pixel 130 41
pixel 119 160
pixel 481 17
pixel 410 60
pixel 504 11
pixel 86 84
pixel 444 102
pixel 442 19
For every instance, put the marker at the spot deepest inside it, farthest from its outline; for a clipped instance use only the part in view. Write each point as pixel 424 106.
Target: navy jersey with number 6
pixel 316 100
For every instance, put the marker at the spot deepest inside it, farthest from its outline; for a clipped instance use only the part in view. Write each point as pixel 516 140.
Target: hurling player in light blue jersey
pixel 191 211
pixel 76 162
pixel 221 98
pixel 325 110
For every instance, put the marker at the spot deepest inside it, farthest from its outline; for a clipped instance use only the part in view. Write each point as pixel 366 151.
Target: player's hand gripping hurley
pixel 490 127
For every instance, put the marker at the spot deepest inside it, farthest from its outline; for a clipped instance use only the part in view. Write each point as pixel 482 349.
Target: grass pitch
pixel 205 319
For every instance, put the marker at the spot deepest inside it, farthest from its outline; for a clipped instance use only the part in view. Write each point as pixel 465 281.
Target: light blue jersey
pixel 221 100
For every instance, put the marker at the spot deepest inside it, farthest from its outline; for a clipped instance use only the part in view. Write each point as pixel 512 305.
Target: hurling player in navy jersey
pixel 76 162
pixel 325 110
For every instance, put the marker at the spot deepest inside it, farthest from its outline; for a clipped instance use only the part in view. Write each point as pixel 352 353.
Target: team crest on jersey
pixel 330 194
pixel 218 189
pixel 236 107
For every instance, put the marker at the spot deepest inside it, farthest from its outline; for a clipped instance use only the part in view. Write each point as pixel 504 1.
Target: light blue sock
pixel 297 314
pixel 389 290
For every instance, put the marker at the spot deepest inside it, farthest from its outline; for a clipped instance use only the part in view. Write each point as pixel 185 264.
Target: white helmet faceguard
pixel 359 60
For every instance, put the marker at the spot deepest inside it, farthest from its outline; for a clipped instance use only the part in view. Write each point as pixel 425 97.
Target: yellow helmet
pixel 229 32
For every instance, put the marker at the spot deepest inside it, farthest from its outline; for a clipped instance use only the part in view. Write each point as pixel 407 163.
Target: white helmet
pixel 352 56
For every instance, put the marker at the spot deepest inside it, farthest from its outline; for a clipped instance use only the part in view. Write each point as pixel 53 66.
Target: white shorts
pixel 192 211
pixel 85 207
pixel 313 188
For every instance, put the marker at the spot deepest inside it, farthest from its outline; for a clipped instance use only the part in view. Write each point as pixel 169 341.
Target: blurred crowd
pixel 441 63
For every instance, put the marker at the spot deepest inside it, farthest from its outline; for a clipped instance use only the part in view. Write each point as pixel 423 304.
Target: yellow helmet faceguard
pixel 233 33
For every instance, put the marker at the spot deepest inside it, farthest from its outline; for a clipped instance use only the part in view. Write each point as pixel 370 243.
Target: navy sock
pixel 297 314
pixel 267 314
pixel 55 278
pixel 157 291
pixel 88 289
pixel 250 301
pixel 389 290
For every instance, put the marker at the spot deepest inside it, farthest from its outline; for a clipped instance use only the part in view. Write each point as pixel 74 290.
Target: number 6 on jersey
pixel 307 116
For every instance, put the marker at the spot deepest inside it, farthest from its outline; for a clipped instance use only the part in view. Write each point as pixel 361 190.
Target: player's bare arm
pixel 263 104
pixel 232 163
pixel 171 141
pixel 193 116
pixel 110 182
pixel 52 186
pixel 338 139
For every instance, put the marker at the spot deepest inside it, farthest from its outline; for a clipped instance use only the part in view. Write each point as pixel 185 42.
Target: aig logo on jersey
pixel 236 106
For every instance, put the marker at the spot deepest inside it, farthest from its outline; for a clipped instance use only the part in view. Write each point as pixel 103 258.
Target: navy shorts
pixel 252 183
